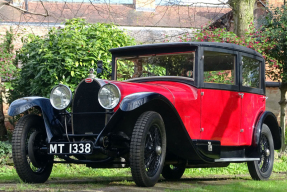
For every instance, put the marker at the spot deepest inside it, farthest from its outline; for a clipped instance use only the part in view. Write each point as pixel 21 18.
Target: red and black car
pixel 168 107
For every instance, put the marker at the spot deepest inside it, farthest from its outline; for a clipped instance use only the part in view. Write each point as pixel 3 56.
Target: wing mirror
pixel 100 66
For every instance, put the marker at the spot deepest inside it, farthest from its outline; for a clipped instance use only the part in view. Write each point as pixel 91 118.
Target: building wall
pixel 21 31
pixel 273 94
pixel 275 3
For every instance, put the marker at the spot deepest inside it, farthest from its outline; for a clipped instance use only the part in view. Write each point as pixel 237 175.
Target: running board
pixel 236 159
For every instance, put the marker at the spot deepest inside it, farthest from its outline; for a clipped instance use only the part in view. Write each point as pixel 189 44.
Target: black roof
pixel 229 46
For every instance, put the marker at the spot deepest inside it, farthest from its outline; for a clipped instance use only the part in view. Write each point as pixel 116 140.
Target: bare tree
pixel 242 15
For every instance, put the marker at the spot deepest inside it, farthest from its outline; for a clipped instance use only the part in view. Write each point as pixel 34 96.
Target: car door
pixel 220 100
pixel 252 89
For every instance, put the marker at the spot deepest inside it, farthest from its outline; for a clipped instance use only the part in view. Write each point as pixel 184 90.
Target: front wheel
pixel 32 164
pixel 148 149
pixel 262 169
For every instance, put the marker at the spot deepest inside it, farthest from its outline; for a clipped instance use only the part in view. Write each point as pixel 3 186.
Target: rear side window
pixel 250 72
pixel 219 68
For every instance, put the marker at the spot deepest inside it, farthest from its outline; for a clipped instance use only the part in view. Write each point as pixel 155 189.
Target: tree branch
pixel 2 3
pixel 47 13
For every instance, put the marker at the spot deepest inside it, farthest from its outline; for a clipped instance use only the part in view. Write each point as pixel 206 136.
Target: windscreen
pixel 176 64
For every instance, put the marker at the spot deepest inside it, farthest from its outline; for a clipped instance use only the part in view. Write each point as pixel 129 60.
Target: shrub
pixel 5 152
pixel 65 56
pixel 258 40
pixel 7 67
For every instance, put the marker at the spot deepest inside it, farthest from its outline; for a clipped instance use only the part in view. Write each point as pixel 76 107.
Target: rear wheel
pixel 173 172
pixel 262 169
pixel 32 164
pixel 148 149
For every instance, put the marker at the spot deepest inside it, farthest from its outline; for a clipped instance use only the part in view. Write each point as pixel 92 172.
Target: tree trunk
pixel 282 103
pixel 3 131
pixel 242 15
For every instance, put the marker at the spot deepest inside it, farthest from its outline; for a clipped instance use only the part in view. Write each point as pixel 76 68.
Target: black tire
pixel 173 172
pixel 148 149
pixel 262 169
pixel 30 128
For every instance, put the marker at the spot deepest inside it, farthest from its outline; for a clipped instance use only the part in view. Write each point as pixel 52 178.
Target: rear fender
pixel 50 115
pixel 270 120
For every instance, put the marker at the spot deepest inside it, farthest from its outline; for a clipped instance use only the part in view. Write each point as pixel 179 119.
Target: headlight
pixel 61 97
pixel 109 96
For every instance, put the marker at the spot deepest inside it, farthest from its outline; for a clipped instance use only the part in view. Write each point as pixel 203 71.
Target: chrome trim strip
pixel 100 82
pixel 236 159
pixel 161 77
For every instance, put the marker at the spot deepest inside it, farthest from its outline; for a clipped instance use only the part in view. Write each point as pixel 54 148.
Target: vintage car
pixel 168 107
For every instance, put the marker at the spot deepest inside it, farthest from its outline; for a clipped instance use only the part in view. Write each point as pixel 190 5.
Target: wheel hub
pixel 34 143
pixel 267 152
pixel 158 150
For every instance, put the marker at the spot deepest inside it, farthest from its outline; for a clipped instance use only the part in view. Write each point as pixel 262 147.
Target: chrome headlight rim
pixel 70 92
pixel 120 96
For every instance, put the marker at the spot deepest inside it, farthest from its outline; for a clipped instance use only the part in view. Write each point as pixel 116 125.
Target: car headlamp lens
pixel 61 97
pixel 109 96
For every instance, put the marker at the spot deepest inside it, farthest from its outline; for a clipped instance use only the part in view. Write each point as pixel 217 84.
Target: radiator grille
pixel 86 101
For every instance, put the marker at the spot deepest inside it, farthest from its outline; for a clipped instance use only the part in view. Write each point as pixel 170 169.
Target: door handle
pixel 241 95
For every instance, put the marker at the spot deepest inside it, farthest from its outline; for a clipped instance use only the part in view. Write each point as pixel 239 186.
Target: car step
pixel 236 159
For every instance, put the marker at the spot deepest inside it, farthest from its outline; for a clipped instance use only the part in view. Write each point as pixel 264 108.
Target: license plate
pixel 70 148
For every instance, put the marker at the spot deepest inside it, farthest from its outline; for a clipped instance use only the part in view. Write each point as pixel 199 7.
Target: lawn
pixel 66 177
pixel 71 177
pixel 239 186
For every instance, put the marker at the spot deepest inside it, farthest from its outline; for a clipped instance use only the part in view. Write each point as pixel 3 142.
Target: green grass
pixel 66 177
pixel 70 171
pixel 69 177
pixel 236 186
pixel 185 185
pixel 53 187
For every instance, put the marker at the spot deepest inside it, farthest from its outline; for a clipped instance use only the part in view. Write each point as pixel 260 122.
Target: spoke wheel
pixel 152 151
pixel 32 165
pixel 262 169
pixel 173 172
pixel 148 149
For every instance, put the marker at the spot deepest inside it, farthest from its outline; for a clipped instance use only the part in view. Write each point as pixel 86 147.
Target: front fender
pixel 270 120
pixel 127 106
pixel 178 142
pixel 50 115
pixel 135 100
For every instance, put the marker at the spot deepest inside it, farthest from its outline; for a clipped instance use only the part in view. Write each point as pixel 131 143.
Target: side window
pixel 219 68
pixel 173 64
pixel 250 72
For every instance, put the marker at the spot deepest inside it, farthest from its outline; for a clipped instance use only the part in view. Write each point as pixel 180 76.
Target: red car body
pixel 233 118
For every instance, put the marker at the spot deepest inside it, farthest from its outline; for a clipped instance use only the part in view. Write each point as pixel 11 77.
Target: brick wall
pixel 22 30
pixel 276 3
